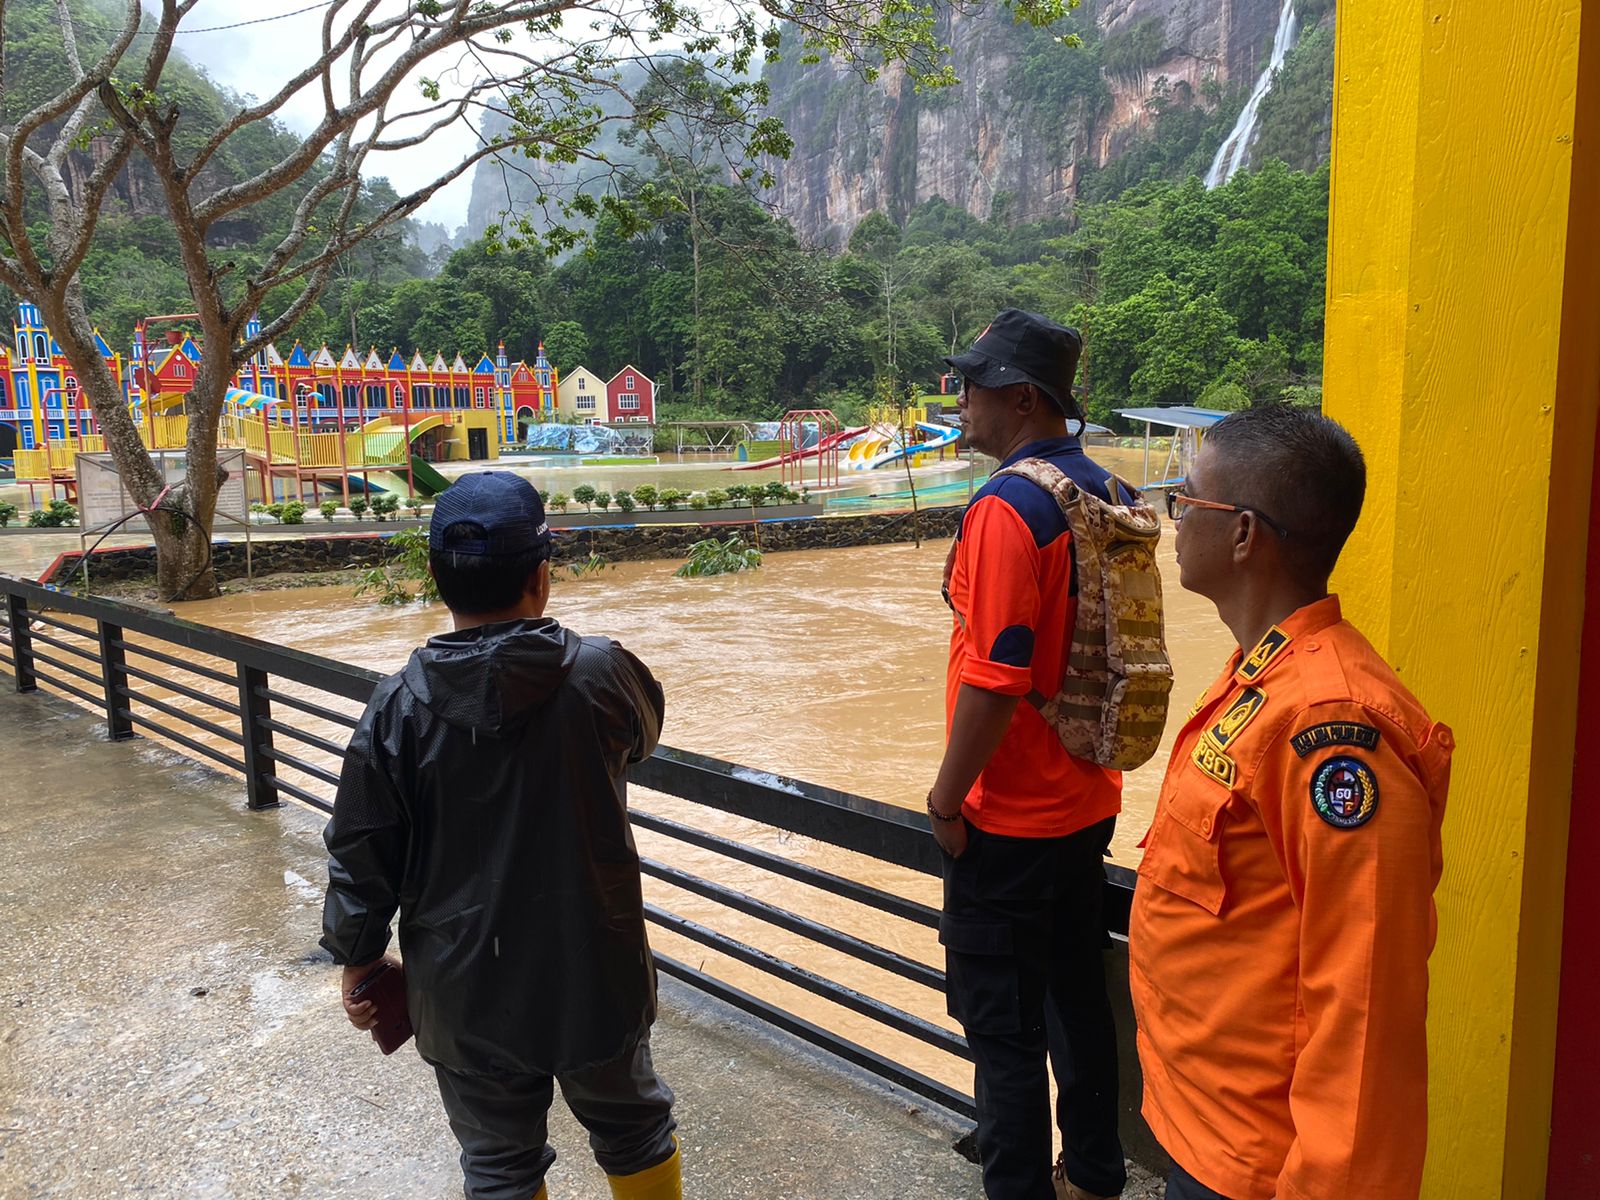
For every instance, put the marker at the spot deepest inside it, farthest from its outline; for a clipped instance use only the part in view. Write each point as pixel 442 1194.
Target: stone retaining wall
pixel 280 556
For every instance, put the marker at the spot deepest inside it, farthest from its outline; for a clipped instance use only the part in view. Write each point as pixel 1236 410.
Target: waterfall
pixel 1235 147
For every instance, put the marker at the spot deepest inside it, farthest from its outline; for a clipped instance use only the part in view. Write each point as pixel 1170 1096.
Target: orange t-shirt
pixel 1014 592
pixel 1279 942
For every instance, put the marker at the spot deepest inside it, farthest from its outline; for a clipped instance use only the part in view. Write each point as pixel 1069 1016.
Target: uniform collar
pixel 1045 448
pixel 1273 646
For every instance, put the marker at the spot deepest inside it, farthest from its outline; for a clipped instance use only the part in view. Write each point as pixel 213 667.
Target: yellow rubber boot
pixel 664 1181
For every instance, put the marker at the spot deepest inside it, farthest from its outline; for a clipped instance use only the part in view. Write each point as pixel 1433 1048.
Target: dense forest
pixel 1184 295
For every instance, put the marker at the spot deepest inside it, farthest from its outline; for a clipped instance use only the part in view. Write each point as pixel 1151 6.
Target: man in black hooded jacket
pixel 484 797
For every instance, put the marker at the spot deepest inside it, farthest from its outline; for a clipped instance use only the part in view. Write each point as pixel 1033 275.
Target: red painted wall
pixel 1574 1172
pixel 646 391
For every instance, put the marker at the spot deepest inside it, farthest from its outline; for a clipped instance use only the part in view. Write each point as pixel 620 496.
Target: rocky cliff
pixel 1027 119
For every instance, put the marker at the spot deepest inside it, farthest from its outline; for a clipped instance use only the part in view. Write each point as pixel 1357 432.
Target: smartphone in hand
pixel 386 989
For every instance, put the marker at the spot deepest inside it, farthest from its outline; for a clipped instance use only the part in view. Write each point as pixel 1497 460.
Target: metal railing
pixel 281 719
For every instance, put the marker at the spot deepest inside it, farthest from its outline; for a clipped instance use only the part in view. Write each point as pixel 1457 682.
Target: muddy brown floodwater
pixel 826 666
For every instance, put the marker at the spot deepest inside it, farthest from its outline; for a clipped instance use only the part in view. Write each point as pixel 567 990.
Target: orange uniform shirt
pixel 1283 920
pixel 1012 587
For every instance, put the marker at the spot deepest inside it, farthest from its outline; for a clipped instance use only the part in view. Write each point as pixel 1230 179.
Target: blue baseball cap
pixel 504 505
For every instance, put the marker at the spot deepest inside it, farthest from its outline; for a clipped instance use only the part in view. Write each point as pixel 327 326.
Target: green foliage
pixel 359 506
pixel 585 495
pixel 626 502
pixel 1296 119
pixel 294 513
pixel 329 509
pixel 385 506
pixel 646 495
pixel 777 492
pixel 402 576
pixel 586 568
pixel 275 510
pixel 1225 396
pixel 670 498
pixel 697 501
pixel 716 497
pixel 713 557
pixel 602 501
pixel 8 513
pixel 414 506
pixel 54 515
pixel 559 501
pixel 566 345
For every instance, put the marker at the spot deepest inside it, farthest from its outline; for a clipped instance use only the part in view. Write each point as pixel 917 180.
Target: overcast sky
pixel 258 59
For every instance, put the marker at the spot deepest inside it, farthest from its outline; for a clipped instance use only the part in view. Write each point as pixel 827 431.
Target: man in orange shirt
pixel 1025 825
pixel 1284 915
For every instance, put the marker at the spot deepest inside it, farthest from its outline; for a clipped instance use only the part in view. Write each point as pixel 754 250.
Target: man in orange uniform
pixel 1284 915
pixel 1025 825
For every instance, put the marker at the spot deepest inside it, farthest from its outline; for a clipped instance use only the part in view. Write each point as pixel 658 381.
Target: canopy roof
pixel 1181 416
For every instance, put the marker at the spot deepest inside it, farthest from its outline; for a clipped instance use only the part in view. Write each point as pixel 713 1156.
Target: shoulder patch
pixel 1344 792
pixel 1267 649
pixel 1334 733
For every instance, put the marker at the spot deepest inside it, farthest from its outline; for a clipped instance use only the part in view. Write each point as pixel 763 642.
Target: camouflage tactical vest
pixel 1111 706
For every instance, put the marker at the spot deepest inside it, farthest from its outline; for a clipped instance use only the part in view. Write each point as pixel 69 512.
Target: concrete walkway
pixel 169 1027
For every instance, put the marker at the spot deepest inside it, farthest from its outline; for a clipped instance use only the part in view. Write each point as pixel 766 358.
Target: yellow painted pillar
pixel 1463 326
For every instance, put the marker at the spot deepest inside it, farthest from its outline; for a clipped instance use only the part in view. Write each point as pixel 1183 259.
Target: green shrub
pixel 559 501
pixel 584 495
pixel 53 515
pixel 697 501
pixel 712 557
pixel 625 501
pixel 359 506
pixel 737 492
pixel 646 495
pixel 403 574
pixel 414 505
pixel 8 513
pixel 259 509
pixel 755 497
pixel 671 498
pixel 385 506
pixel 294 513
pixel 329 509
pixel 275 510
pixel 776 492
pixel 602 501
pixel 716 497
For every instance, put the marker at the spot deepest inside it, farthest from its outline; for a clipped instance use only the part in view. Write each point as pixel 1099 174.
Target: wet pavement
pixel 170 1027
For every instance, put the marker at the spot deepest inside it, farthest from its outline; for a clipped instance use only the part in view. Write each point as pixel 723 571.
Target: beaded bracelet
pixel 939 816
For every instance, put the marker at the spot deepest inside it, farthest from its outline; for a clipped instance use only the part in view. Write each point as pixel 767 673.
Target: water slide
pixel 881 452
pixel 380 439
pixel 827 443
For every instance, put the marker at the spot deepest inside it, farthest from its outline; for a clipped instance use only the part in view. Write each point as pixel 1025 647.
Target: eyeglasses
pixel 1178 499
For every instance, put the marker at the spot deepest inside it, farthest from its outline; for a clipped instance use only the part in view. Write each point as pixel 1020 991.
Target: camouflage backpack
pixel 1111 706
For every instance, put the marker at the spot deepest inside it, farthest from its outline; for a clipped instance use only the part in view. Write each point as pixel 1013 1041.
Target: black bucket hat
pixel 1024 347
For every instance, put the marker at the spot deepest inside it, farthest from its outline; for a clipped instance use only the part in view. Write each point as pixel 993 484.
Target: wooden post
pixel 1463 315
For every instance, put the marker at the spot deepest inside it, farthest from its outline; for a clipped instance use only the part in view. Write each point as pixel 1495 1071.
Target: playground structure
pixel 1188 425
pixel 311 420
pixel 880 447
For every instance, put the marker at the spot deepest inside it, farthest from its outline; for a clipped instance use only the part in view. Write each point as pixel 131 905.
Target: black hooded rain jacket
pixel 484 796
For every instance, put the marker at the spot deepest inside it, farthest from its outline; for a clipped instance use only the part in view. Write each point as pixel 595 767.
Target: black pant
pixel 501 1122
pixel 1183 1186
pixel 1024 936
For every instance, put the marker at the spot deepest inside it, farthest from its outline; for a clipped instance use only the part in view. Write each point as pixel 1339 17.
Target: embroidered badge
pixel 1334 733
pixel 1212 760
pixel 1199 703
pixel 1344 792
pixel 1239 714
pixel 1267 649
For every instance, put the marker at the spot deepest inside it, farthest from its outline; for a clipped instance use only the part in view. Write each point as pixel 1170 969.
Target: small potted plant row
pixel 652 499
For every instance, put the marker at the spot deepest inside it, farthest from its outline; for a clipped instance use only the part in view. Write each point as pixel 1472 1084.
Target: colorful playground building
pixel 308 417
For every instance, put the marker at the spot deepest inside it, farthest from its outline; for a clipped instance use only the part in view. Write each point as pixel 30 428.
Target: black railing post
pixel 21 643
pixel 119 717
pixel 254 712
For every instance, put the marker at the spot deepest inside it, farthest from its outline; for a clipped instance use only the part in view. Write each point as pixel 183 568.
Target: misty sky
pixel 258 59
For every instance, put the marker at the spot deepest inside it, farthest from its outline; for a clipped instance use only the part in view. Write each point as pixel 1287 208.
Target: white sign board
pixel 103 499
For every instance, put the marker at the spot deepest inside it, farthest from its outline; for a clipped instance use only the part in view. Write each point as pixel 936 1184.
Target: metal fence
pixel 281 719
